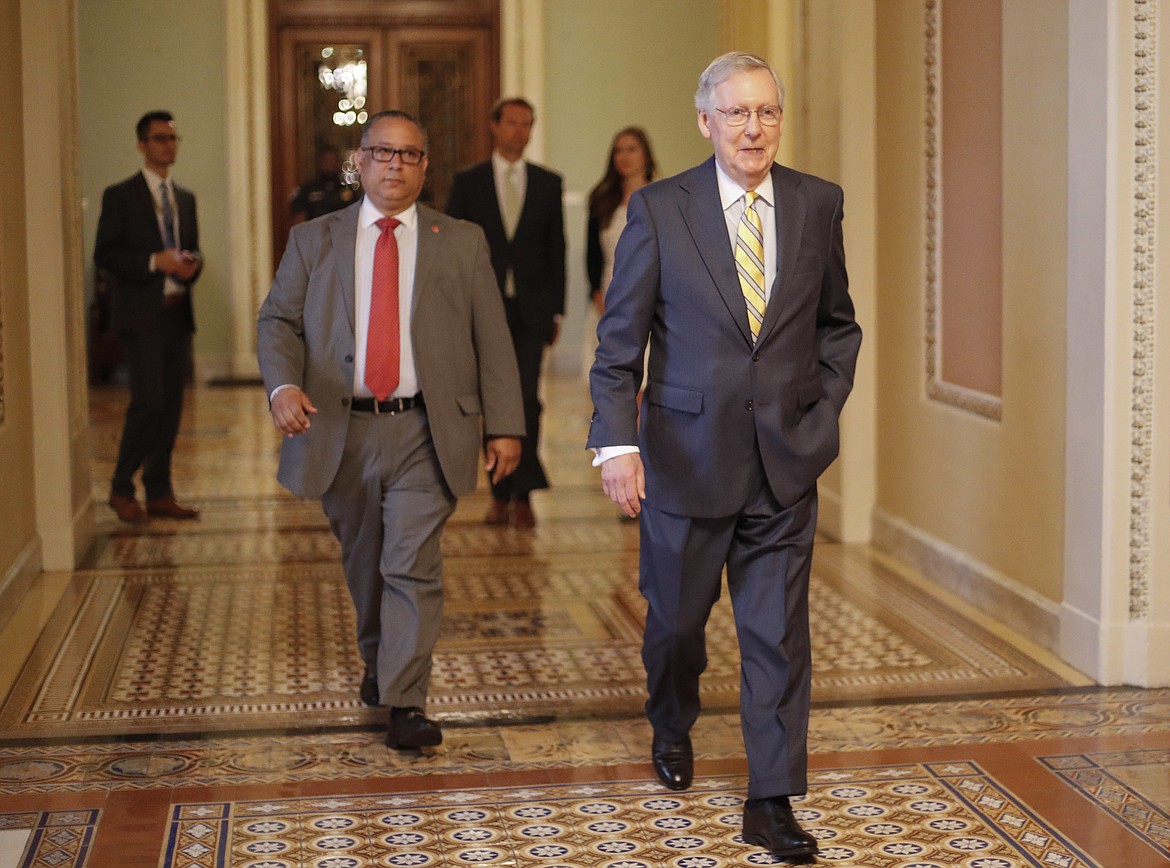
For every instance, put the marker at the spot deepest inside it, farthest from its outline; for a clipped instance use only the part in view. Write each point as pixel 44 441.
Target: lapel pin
pixel 435 228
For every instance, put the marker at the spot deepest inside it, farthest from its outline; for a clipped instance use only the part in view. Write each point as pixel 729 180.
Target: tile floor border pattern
pixel 1091 775
pixel 113 661
pixel 359 754
pixel 59 839
pixel 921 814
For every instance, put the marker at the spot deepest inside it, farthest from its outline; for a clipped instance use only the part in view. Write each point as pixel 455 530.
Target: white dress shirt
pixel 156 182
pixel 406 233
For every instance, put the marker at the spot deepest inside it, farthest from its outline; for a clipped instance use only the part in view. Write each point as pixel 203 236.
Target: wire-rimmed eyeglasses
pixel 737 116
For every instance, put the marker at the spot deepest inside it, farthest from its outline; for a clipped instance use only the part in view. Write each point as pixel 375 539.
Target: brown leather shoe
pixel 168 507
pixel 523 516
pixel 497 513
pixel 128 508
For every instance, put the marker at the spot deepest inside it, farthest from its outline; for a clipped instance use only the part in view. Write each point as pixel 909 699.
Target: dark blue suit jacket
pixel 716 407
pixel 127 235
pixel 536 253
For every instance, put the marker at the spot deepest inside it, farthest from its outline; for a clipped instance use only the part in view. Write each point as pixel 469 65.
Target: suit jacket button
pixel 755 357
pixel 345 402
pixel 748 405
pixel 349 358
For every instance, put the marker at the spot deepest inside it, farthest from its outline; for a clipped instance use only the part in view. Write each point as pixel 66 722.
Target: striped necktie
pixel 749 262
pixel 168 217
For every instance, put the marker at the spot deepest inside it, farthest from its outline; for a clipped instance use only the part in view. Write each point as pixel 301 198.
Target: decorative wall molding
pixel 250 237
pixel 1145 212
pixel 1 316
pixel 969 400
pixel 74 262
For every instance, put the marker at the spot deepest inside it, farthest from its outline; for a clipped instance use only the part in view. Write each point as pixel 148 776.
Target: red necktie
pixel 382 337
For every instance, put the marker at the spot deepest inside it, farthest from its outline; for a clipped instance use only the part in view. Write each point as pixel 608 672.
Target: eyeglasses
pixel 768 115
pixel 407 156
pixel 163 138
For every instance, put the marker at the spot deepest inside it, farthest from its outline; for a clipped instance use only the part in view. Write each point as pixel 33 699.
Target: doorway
pixel 437 60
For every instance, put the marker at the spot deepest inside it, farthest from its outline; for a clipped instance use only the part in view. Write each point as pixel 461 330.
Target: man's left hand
pixel 502 455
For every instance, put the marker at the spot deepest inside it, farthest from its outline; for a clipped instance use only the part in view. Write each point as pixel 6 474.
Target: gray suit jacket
pixel 463 352
pixel 716 407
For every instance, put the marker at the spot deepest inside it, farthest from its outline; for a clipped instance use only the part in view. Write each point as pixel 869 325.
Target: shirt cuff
pixel 279 388
pixel 602 454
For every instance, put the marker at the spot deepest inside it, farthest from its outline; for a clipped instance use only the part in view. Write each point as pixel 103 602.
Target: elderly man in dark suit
pixel 518 204
pixel 735 272
pixel 148 243
pixel 383 348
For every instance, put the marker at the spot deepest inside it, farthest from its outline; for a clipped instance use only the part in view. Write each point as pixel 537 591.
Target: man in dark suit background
pixel 382 345
pixel 518 204
pixel 148 243
pixel 735 271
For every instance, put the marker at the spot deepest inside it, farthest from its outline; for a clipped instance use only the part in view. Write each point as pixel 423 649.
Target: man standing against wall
pixel 382 346
pixel 735 272
pixel 148 244
pixel 518 204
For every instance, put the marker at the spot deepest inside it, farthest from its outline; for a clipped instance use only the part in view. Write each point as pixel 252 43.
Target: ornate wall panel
pixel 1145 152
pixel 965 398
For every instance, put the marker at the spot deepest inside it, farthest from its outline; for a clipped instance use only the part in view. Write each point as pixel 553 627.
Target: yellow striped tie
pixel 749 262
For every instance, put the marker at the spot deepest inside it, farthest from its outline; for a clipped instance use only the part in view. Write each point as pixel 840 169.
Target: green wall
pixel 139 55
pixel 610 64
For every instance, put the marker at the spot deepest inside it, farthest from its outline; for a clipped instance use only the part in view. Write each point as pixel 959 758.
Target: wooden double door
pixel 437 60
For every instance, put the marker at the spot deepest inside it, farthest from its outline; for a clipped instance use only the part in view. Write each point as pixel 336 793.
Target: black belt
pixel 393 405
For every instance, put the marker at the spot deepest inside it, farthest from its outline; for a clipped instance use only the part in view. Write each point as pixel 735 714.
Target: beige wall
pixel 19 552
pixel 987 494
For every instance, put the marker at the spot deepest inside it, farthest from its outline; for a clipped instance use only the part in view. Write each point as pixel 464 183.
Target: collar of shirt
pixel 730 192
pixel 369 214
pixel 154 181
pixel 500 166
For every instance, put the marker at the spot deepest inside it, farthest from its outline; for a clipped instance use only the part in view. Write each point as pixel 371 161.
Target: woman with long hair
pixel 630 166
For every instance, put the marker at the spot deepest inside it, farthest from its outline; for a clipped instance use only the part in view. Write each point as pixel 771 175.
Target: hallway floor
pixel 188 699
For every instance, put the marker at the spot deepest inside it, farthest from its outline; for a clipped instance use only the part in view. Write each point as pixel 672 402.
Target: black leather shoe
pixel 769 823
pixel 410 728
pixel 369 688
pixel 674 762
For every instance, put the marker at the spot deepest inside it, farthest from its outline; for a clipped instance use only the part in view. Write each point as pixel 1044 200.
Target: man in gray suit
pixel 382 344
pixel 753 345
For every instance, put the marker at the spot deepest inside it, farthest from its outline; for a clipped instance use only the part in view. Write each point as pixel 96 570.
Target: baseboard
pixel 18 578
pixel 830 514
pixel 996 595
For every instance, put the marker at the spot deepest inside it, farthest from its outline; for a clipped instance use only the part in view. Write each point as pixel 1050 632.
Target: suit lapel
pixel 145 201
pixel 790 214
pixel 703 214
pixel 488 182
pixel 343 235
pixel 425 258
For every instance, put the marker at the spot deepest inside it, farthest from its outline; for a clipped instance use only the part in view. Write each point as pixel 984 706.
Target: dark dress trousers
pixel 733 436
pixel 535 255
pixel 156 336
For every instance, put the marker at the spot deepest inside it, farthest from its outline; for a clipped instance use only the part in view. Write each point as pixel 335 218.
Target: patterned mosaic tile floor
pixel 130 737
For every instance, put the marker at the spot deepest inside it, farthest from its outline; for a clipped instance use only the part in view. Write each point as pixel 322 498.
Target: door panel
pixel 435 80
pixel 437 60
